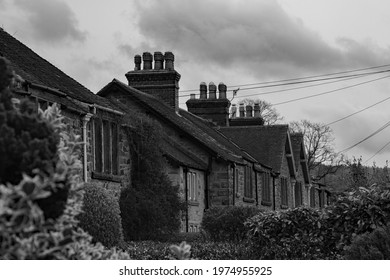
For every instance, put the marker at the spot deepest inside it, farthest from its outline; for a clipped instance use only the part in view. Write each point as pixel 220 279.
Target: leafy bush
pixel 25 232
pixel 149 250
pixel 28 145
pixel 370 246
pixel 151 206
pixel 227 223
pixel 101 216
pixel 358 212
pixel 299 233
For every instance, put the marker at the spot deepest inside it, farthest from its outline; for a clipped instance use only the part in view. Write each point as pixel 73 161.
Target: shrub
pixel 227 223
pixel 370 246
pixel 101 216
pixel 358 212
pixel 298 233
pixel 28 145
pixel 151 206
pixel 149 250
pixel 25 232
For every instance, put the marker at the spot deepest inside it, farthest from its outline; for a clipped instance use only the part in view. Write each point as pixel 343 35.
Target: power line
pixel 357 112
pixel 301 78
pixel 377 152
pixel 366 138
pixel 330 91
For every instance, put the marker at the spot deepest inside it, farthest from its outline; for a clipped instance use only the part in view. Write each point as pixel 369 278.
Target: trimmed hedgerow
pixel 370 246
pixel 101 216
pixel 227 223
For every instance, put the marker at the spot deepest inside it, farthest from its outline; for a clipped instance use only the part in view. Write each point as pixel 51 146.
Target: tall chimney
pixel 212 91
pixel 158 61
pixel 249 112
pixel 242 110
pixel 203 90
pixel 148 58
pixel 161 82
pixel 211 108
pixel 257 110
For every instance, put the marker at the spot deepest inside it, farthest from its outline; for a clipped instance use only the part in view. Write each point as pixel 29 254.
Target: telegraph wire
pixel 367 137
pixel 330 91
pixel 302 78
pixel 357 112
pixel 377 152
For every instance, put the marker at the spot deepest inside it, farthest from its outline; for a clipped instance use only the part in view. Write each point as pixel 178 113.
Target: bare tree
pixel 319 144
pixel 269 114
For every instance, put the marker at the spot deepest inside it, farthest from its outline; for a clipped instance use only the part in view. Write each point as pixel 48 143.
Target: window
pixel 106 147
pixel 266 189
pixel 192 188
pixel 312 197
pixel 284 191
pixel 298 194
pixel 248 187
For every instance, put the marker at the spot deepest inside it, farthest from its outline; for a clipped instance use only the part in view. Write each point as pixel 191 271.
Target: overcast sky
pixel 230 41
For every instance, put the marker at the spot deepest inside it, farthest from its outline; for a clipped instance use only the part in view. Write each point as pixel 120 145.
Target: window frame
pixel 266 189
pixel 105 149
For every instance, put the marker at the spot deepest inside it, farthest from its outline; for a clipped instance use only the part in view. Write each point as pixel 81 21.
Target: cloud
pixel 258 35
pixel 51 20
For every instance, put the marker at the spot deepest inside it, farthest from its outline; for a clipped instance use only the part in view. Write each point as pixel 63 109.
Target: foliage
pixel 202 250
pixel 227 223
pixel 181 252
pixel 28 143
pixel 370 246
pixel 358 212
pixel 269 114
pixel 319 145
pixel 150 206
pixel 25 232
pixel 298 233
pixel 101 216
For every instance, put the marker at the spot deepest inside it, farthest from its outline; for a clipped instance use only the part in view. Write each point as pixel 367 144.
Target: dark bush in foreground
pixel 101 216
pixel 370 246
pixel 227 223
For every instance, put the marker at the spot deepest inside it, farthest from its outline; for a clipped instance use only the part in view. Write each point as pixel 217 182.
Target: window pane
pixel 106 147
pixel 114 145
pixel 98 145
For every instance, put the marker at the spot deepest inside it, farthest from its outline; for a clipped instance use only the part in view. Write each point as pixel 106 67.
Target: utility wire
pixel 366 138
pixel 330 91
pixel 377 152
pixel 338 78
pixel 357 112
pixel 301 78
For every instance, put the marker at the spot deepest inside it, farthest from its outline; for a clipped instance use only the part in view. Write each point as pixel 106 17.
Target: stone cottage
pixel 207 152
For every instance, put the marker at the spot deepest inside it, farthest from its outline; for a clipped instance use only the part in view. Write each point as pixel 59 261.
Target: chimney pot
pixel 212 91
pixel 242 110
pixel 222 90
pixel 249 111
pixel 203 90
pixel 257 110
pixel 169 61
pixel 192 96
pixel 147 58
pixel 234 111
pixel 137 62
pixel 158 61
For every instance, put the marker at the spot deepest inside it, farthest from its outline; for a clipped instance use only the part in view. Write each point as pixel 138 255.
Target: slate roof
pixel 198 130
pixel 35 69
pixel 265 143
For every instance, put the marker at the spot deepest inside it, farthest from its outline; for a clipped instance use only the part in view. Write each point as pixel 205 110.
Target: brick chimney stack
pixel 210 107
pixel 161 82
pixel 248 115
